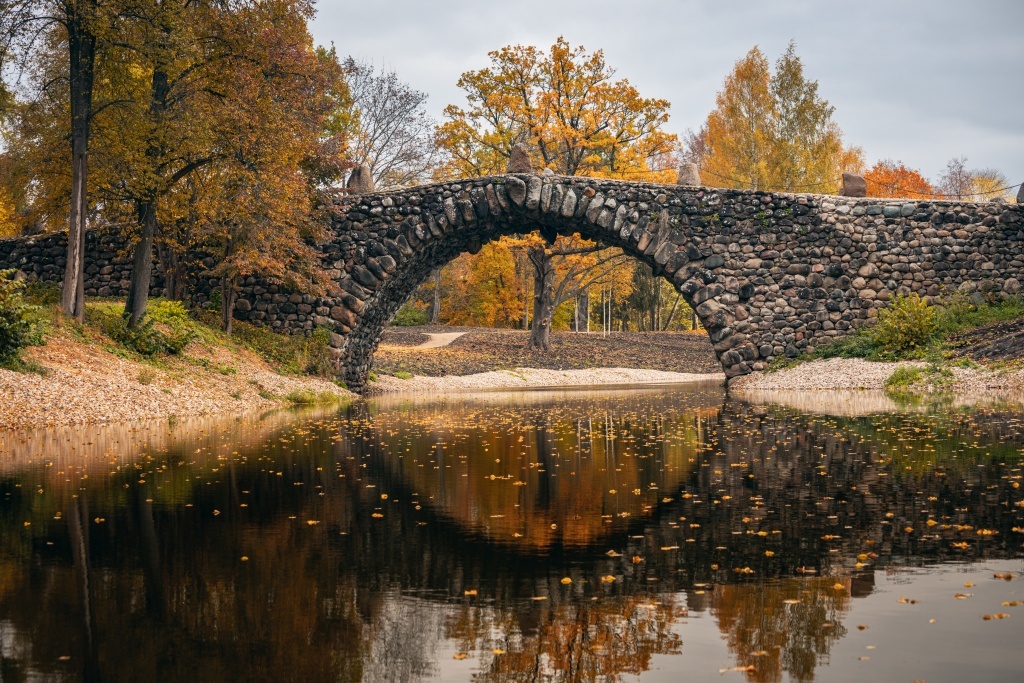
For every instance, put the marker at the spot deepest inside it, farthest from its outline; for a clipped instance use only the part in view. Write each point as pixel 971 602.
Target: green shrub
pixel 143 339
pixel 402 374
pixel 146 340
pixel 907 325
pixel 903 378
pixel 17 327
pixel 169 312
pixel 857 345
pixel 287 353
pixel 410 316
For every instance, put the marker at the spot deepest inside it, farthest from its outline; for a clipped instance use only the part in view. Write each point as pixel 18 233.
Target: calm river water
pixel 656 534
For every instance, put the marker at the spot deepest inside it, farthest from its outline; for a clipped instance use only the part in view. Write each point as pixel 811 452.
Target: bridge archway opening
pixel 398 261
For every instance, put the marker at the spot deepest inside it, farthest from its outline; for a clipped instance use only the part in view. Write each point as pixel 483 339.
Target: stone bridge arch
pixel 768 274
pixel 397 239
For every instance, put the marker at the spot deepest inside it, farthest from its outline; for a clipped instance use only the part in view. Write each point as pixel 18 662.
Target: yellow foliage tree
pixel 566 108
pixel 773 131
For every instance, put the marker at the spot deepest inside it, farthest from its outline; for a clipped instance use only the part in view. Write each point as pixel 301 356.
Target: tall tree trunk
pixel 435 305
pixel 583 311
pixel 672 313
pixel 142 265
pixel 543 298
pixel 142 260
pixel 82 59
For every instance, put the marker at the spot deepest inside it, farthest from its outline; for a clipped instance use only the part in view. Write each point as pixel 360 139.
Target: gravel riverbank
pixel 84 384
pixel 535 377
pixel 857 374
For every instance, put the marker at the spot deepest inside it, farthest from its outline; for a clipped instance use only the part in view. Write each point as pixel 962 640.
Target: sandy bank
pixel 521 378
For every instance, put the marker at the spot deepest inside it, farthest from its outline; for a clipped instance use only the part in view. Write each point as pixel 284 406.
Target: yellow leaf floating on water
pixel 566 581
pixel 314 522
pixel 607 578
pixel 497 651
pixel 460 655
pixel 769 553
pixel 539 597
pixel 839 587
pixel 999 615
pixel 908 601
pixel 471 591
pixel 963 596
pixel 748 669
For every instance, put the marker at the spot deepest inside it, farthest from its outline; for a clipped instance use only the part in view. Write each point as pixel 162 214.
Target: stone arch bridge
pixel 768 273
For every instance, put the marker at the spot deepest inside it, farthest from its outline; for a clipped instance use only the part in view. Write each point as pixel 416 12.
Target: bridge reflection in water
pixel 545 537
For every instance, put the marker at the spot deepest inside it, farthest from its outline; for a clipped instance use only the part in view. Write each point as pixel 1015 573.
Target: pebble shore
pixel 536 378
pixel 857 374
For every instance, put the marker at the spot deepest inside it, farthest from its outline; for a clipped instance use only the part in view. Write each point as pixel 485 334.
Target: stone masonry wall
pixel 768 274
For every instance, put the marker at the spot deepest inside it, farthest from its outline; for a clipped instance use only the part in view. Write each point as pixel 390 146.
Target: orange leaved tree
pixel 576 120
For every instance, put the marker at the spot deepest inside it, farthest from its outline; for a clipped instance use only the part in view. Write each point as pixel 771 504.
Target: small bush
pixel 169 312
pixel 307 397
pixel 147 375
pixel 907 325
pixel 17 327
pixel 903 378
pixel 410 316
pixel 402 374
pixel 858 345
pixel 143 339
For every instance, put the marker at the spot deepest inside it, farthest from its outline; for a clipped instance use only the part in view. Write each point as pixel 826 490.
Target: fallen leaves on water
pixel 747 669
pixel 460 655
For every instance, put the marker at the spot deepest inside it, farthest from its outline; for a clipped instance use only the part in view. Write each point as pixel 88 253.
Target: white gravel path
pixel 439 339
pixel 533 378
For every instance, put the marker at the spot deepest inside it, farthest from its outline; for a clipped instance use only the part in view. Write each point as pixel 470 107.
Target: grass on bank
pixel 30 312
pixel 911 329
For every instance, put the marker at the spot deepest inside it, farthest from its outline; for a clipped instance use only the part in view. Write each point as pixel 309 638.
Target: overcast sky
pixel 919 82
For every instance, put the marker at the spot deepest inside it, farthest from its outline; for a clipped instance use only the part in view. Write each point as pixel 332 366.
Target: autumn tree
pixel 73 29
pixel 772 130
pixel 392 134
pixel 961 183
pixel 277 105
pixel 566 107
pixel 889 178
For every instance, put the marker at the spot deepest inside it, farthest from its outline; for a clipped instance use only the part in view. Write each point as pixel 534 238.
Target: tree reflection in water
pixel 564 540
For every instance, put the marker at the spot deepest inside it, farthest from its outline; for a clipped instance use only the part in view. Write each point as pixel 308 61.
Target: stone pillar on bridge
pixel 689 175
pixel 519 160
pixel 853 186
pixel 360 180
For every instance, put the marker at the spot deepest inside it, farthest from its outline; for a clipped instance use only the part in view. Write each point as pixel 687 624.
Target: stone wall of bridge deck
pixel 768 273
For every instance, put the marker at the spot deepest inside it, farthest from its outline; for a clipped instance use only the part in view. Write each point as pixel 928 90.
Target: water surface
pixel 660 534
